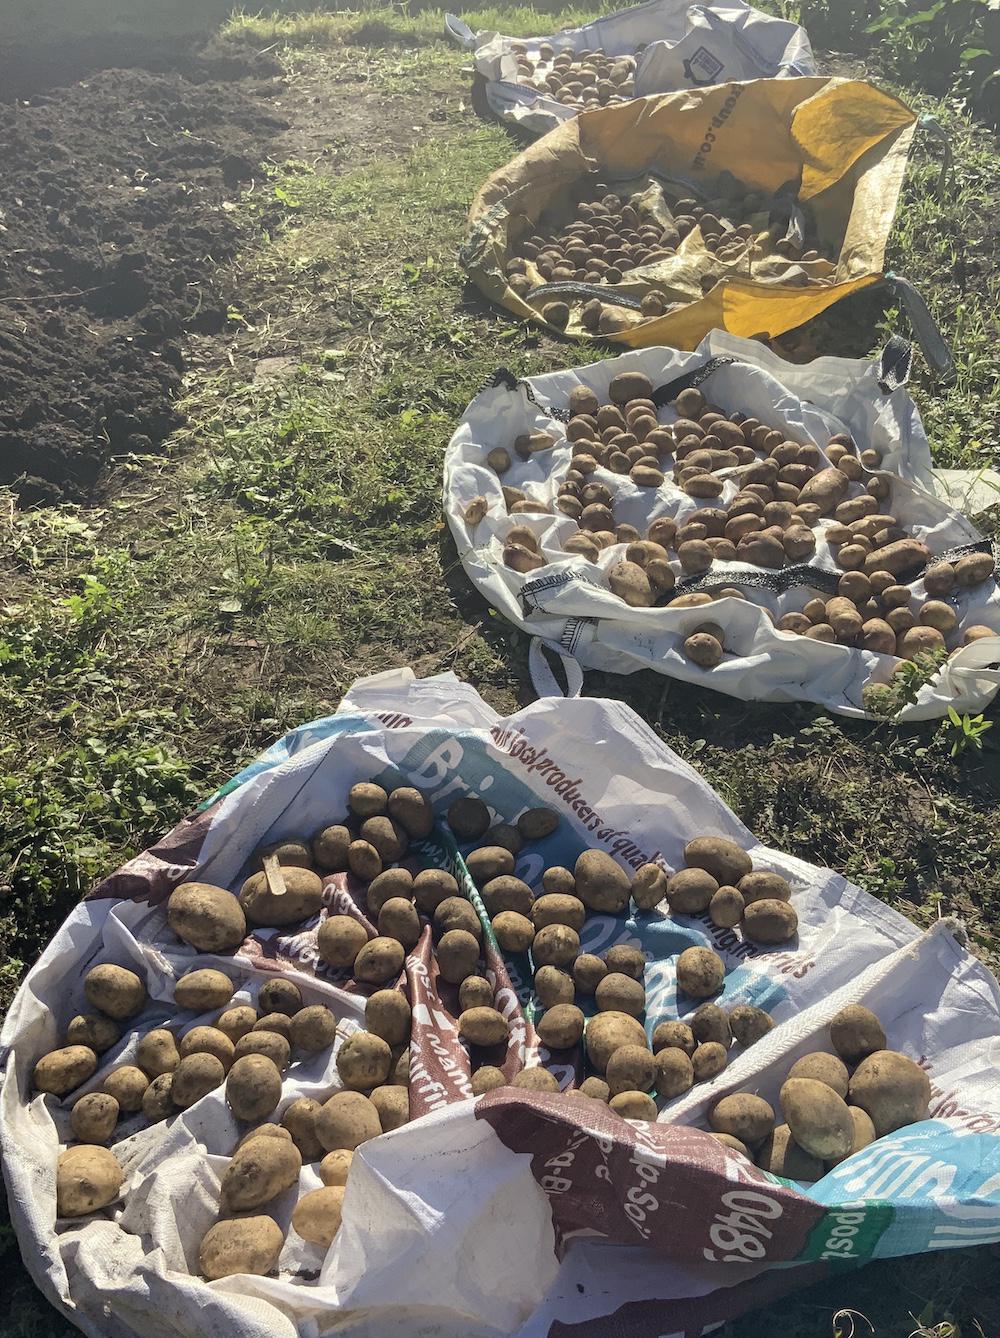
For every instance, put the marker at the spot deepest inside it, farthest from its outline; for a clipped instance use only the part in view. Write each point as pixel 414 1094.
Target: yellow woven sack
pixel 842 141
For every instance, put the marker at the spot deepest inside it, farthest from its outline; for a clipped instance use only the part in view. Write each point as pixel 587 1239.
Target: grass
pixel 291 540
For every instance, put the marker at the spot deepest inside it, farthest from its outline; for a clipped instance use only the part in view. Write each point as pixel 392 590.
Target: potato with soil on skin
pixel 822 1067
pixel 483 1026
pixel 280 996
pixel 781 1155
pixel 864 1133
pixel 114 990
pixel 700 972
pixel 236 1022
pixel 299 1121
pixel 95 1032
pixel 503 834
pixel 336 1167
pixel 560 1027
pixel 88 1178
pixel 723 859
pixel 631 584
pixel 379 961
pixel 634 1106
pixel 253 1087
pixel 128 1086
pixel 744 1116
pixel 594 1088
pixel 488 862
pixel 601 883
pixel 618 993
pixel 365 799
pixel 475 992
pixel 487 1078
pixel 607 1032
pixel 398 919
pixel 515 933
pixel 313 1029
pixel 711 1023
pixel 855 1033
pixel 631 1068
pixel 690 891
pixel 726 908
pixel 93 1117
pixel 279 1023
pixel 302 898
pixel 507 894
pixel 390 885
pixel 457 913
pixel 317 1215
pixel 588 972
pixel 468 818
pixel 649 886
pixel 818 1118
pixel 157 1100
pixel 535 1079
pixel 204 1040
pixel 393 1106
pixel 240 1245
pixel 289 853
pixel 271 1044
pixel 974 569
pixel 749 1024
pixel 388 1015
pixel 457 955
pixel 558 909
pixel 346 1121
pixel 266 1131
pixel 364 1061
pixel 258 1172
pixel 626 959
pixel 555 945
pixel 194 1077
pixel 200 991
pixel 413 811
pixel 762 885
pixel 61 1070
pixel 537 823
pixel 892 1089
pixel 728 1141
pixel 209 918
pixel 708 1060
pixel 330 846
pixel 770 921
pixel 703 650
pixel 552 986
pixel 673 1034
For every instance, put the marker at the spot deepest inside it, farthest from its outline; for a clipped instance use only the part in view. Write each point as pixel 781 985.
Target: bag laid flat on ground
pixel 568 603
pixel 517 1213
pixel 806 172
pixel 675 45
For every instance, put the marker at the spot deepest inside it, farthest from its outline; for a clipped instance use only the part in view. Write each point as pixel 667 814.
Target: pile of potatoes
pixel 788 495
pixel 834 1103
pixel 719 880
pixel 577 79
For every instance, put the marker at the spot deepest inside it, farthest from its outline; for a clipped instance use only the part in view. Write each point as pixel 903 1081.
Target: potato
pixel 649 886
pixel 781 1155
pixel 367 800
pixel 823 1068
pixel 711 1023
pixel 936 613
pixel 770 921
pixel 398 919
pixel 723 859
pixel 115 991
pixel 864 1133
pixel 818 1118
pixel 93 1117
pixel 825 490
pixel 607 1032
pixel 128 1086
pixel 504 835
pixel 209 918
pixel 336 1166
pixel 287 853
pixel 240 1245
pixel 88 1178
pixel 379 961
pixel 60 1071
pixel 280 996
pixel 974 569
pixel 552 986
pixel 363 1061
pixel 457 913
pixel 253 1087
pixel 555 945
pixel 507 894
pixel 671 1034
pixel 258 1172
pixel 892 1089
pixel 279 1023
pixel 302 899
pixel 744 1116
pixel 95 1032
pixel 970 634
pixel 601 883
pixel 468 818
pixel 588 972
pixel 299 1120
pixel 594 1088
pixel 236 1022
pixel 313 1029
pixel 364 861
pixel 901 557
pixel 627 386
pixel 317 1215
pixel 487 1078
pixel 271 1044
pixel 388 838
pixel 266 1131
pixel 413 811
pixel 476 992
pixel 560 1027
pixel 482 1026
pixel 392 884
pixel 626 959
pixel 690 891
pixel 558 909
pixel 457 955
pixel 749 1024
pixel 633 1106
pixel 700 972
pixel 726 907
pixel 346 1121
pixel 393 1106
pixel 618 993
pixel 339 939
pixel 157 1100
pixel 728 1141
pixel 918 641
pixel 488 862
pixel 203 1040
pixel 708 1060
pixel 630 1068
pixel 855 1033
pixel 630 583
pixel 330 846
pixel 514 933
pixel 535 1079
pixel 762 885
pixel 703 650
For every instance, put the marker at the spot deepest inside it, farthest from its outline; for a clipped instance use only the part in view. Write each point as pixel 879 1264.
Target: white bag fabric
pixel 568 605
pixel 687 46
pixel 510 1213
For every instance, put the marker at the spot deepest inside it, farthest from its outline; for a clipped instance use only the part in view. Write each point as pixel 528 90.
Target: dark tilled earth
pixel 112 226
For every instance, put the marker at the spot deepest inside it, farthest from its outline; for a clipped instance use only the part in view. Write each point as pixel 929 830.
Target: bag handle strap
pixel 932 124
pixel 925 327
pixel 894 364
pixel 543 679
pixel 459 32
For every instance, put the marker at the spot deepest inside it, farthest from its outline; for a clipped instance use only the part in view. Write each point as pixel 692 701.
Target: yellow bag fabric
pixel 843 140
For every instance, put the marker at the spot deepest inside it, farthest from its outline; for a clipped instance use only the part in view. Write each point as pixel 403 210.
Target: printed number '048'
pixel 740 1233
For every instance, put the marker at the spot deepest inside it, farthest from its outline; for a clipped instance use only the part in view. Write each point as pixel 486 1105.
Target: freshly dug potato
pixel 388 838
pixel 700 972
pixel 388 1014
pixel 503 834
pixel 595 1088
pixel 379 961
pixel 974 569
pixel 631 1068
pixel 468 818
pixel 93 1117
pixel 316 1216
pixel 743 1115
pixel 114 990
pixel 558 909
pixel 200 991
pixel 555 945
pixel 482 1026
pixel 209 918
pixel 781 1155
pixel 770 921
pixel 728 1141
pixel 240 1245
pixel 559 882
pixel 393 1106
pixel 588 972
pixel 726 907
pixel 330 846
pixel 390 885
pixel 364 1061
pixel 279 1023
pixel 336 1166
pixel 487 1078
pixel 515 933
pixel 670 1035
pixel 618 993
pixel 633 1106
pixel 157 1100
pixel 346 1121
pixel 194 1077
pixel 287 853
pixel 762 885
pixel 627 960
pixel 266 1131
pixel 413 812
pixel 88 1178
pixel 690 891
pixel 552 986
pixel 507 893
pixel 128 1086
pixel 302 899
pixel 607 1032
pixel 60 1071
pixel 456 913
pixel 457 955
pixel 708 1060
pixel 206 1041
pixel 601 882
pixel 488 862
pixel 271 1044
pixel 711 1023
pixel 818 1118
pixel 236 1022
pixel 749 1024
pixel 864 1133
pixel 95 1032
pixel 892 1089
pixel 280 996
pixel 300 1121
pixel 630 583
pixel 649 886
pixel 253 1087
pixel 823 1068
pixel 367 800
pixel 723 859
pixel 313 1028
pixel 339 939
pixel 398 919
pixel 560 1027
pixel 477 992
pixel 258 1172
pixel 702 649
pixel 535 824
pixel 855 1033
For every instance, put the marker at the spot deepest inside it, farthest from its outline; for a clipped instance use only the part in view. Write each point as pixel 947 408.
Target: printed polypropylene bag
pixel 569 605
pixel 520 1212
pixel 842 143
pixel 679 45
